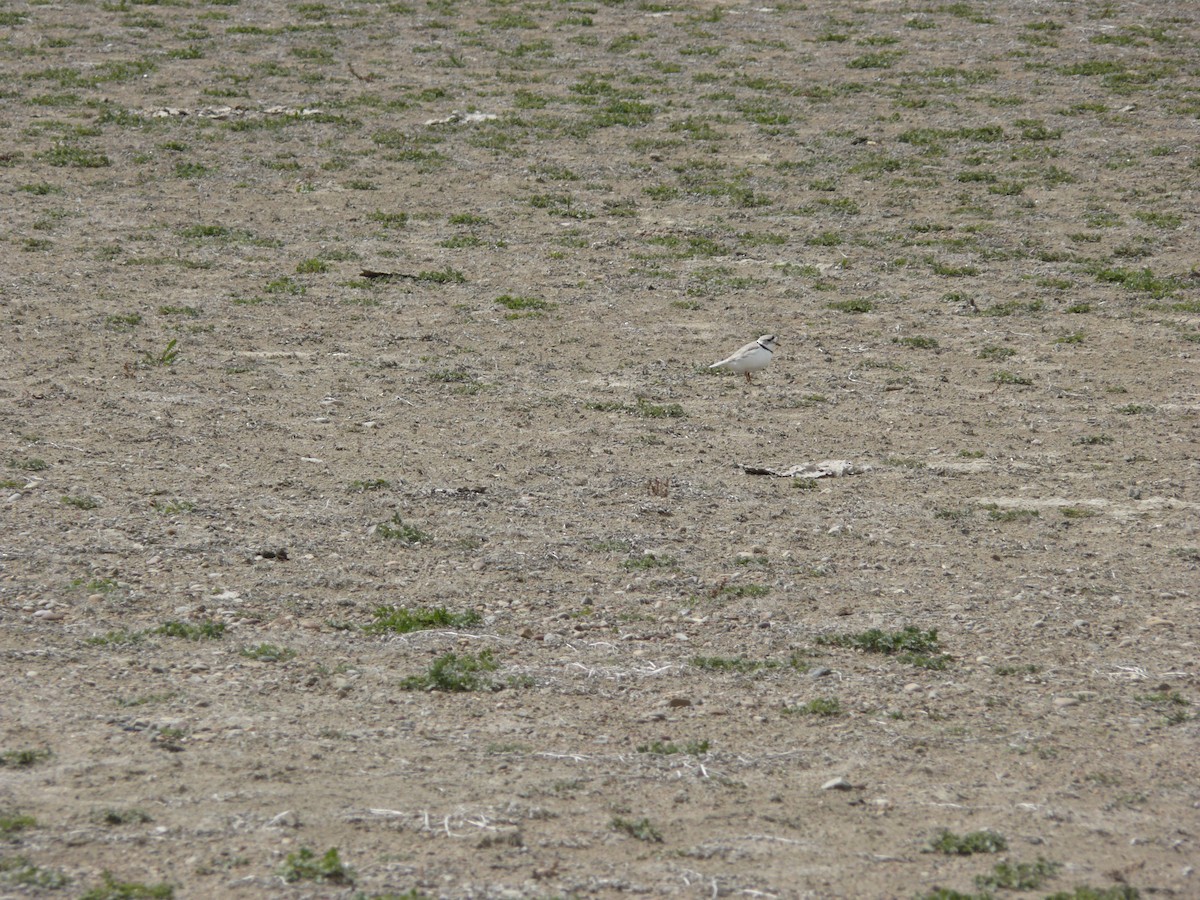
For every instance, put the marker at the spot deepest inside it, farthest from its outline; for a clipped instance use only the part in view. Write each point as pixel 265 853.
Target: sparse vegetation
pixel 641 829
pixel 426 292
pixel 207 630
pixel 396 529
pixel 28 464
pixel 643 408
pixel 910 644
pixel 168 356
pixel 660 748
pixel 112 889
pixel 456 673
pixel 946 841
pixel 268 653
pixel 819 706
pixel 305 865
pixel 23 759
pixel 1018 876
pixel 523 306
pixel 12 823
pixel 401 621
pixel 21 872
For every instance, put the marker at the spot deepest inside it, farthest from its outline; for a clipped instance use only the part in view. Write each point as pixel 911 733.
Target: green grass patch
pixel 74 156
pixel 946 841
pixel 1143 280
pixel 112 889
pixel 524 306
pixel 642 830
pixel 820 706
pixel 456 673
pixel 908 639
pixel 861 305
pixel 12 823
pixel 395 529
pixel 312 266
pixel 643 408
pixel 362 486
pixel 691 748
pixel 268 653
pixel 649 561
pixel 737 591
pixel 21 872
pixel 442 276
pixel 998 514
pixel 1005 377
pixel 28 464
pixel 910 644
pixel 917 342
pixel 118 638
pixel 209 630
pixel 122 817
pixel 305 865
pixel 1018 876
pixel 395 620
pixel 928 137
pixel 23 759
pixel 388 219
pixel 81 502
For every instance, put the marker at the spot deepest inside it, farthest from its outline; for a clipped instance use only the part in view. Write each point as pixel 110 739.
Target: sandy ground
pixel 972 227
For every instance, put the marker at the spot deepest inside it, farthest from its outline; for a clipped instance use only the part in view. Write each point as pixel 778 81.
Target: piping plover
pixel 751 358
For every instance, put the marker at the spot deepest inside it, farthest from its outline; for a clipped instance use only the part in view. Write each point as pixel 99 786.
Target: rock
pixel 1064 702
pixel 821 672
pixel 837 784
pixel 287 819
pixel 677 702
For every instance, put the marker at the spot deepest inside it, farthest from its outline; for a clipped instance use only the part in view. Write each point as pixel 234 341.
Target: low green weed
pixel 455 673
pixel 946 841
pixel 397 530
pixel 392 619
pixel 112 889
pixel 304 865
pixel 642 830
pixel 268 653
pixel 208 630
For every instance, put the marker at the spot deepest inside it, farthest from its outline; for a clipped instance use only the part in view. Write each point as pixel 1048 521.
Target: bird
pixel 751 358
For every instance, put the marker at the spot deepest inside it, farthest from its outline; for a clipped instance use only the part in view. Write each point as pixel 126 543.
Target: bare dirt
pixel 972 227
